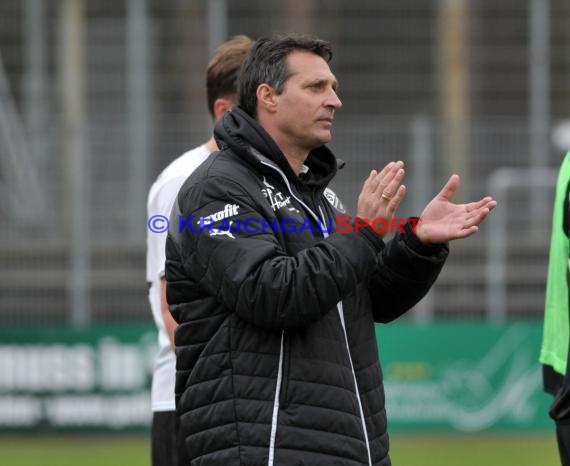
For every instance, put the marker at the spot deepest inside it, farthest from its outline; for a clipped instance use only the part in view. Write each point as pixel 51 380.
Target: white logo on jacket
pixel 229 210
pixel 276 198
pixel 219 231
pixel 333 199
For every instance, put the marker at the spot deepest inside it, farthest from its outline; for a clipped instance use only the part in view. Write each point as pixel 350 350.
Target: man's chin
pixel 320 140
pixel 325 137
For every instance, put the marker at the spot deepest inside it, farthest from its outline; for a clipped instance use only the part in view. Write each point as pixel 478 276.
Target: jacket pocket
pixel 285 368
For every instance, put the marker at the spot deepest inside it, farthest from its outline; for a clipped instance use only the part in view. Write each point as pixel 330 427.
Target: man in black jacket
pixel 277 361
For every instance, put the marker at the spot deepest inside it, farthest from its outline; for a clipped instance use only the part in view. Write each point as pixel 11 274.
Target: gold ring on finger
pixel 386 196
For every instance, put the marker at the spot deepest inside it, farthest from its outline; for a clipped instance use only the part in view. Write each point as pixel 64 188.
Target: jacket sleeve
pixel 248 270
pixel 407 268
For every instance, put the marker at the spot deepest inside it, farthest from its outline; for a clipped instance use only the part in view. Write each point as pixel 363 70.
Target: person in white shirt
pixel 221 83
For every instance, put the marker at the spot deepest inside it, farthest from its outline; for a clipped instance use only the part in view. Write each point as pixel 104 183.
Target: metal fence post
pixel 138 114
pixel 217 24
pixel 76 194
pixel 539 94
pixel 421 189
pixel 500 182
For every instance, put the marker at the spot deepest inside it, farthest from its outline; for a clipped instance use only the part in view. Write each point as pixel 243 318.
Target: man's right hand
pixel 382 193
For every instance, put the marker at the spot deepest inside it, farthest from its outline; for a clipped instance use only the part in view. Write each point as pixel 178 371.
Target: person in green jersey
pixel 555 341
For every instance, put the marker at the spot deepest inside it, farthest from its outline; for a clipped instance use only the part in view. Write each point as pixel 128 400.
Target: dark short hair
pixel 265 64
pixel 223 69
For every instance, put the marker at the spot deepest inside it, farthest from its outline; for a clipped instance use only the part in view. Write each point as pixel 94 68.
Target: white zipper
pixel 342 323
pixel 276 405
pixel 341 316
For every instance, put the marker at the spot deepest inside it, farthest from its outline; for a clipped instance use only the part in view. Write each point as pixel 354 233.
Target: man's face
pixel 305 108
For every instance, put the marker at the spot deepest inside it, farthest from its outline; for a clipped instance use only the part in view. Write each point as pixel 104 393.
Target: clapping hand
pixel 443 221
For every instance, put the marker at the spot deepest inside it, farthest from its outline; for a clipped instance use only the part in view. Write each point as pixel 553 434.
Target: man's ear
pixel 266 97
pixel 221 106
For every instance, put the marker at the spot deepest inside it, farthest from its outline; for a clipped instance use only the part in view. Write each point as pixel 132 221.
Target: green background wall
pixel 438 377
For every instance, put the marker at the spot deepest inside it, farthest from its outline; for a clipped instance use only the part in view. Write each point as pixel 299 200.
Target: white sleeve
pixel 160 203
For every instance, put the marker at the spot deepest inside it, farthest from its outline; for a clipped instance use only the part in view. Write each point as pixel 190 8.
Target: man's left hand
pixel 443 221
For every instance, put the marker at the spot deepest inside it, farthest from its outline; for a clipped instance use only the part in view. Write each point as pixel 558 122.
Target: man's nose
pixel 333 100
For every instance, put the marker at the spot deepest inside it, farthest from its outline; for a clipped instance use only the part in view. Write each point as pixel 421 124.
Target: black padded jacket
pixel 277 359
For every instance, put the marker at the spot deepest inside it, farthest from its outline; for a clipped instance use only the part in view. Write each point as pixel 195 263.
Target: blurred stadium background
pixel 96 96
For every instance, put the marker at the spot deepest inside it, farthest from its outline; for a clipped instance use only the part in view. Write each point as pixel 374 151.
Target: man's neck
pixel 296 163
pixel 211 145
pixel 294 155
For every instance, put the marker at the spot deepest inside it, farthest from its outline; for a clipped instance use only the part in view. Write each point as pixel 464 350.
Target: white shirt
pixel 161 198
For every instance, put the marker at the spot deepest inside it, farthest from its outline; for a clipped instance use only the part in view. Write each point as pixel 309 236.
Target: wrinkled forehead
pixel 307 66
